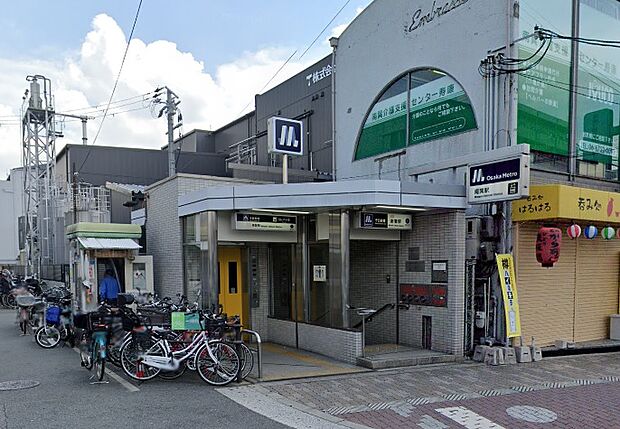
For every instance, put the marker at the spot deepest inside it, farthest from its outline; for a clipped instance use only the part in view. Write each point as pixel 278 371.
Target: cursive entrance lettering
pixel 419 20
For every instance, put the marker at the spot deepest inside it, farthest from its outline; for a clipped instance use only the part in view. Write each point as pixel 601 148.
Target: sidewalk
pixel 395 397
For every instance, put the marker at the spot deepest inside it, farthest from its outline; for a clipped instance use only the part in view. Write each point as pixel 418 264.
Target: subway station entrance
pixel 365 272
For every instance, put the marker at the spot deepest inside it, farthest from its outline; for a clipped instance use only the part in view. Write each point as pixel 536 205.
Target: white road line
pixel 127 385
pixel 468 418
pixel 281 410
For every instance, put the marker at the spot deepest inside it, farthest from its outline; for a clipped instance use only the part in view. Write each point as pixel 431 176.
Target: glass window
pixel 598 100
pixel 319 285
pixel 189 229
pixel 427 102
pixel 385 128
pixel 281 282
pixel 542 120
pixel 439 107
pixel 192 270
pixel 192 266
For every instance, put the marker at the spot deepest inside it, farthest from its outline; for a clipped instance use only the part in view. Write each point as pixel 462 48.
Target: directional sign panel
pixel 502 180
pixel 384 220
pixel 264 222
pixel 285 136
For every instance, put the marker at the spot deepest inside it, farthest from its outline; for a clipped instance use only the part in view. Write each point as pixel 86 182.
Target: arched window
pixel 422 105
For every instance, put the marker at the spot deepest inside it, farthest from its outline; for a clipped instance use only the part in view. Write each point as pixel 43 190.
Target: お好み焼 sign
pixel 422 17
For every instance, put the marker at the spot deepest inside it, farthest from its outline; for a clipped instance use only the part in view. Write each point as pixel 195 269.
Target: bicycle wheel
pixel 99 360
pixel 247 361
pixel 131 358
pixel 114 355
pixel 47 337
pixel 10 301
pixel 223 371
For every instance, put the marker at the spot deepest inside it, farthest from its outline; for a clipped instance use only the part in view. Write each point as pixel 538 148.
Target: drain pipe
pixel 333 42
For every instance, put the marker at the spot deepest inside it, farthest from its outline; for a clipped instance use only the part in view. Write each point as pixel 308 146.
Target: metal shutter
pixel 546 295
pixel 597 287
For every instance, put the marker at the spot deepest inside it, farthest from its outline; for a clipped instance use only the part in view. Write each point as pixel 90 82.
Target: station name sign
pixel 370 220
pixel 264 222
pixel 501 180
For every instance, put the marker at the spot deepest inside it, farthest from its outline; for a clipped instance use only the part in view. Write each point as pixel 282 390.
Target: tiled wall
pixel 336 343
pixel 439 237
pixel 371 263
pixel 163 228
pixel 339 344
pixel 259 315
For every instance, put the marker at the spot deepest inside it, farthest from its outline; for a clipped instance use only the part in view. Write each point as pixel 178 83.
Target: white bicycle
pixel 146 354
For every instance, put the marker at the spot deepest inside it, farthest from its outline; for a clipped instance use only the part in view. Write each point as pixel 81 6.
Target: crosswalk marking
pixel 468 418
pixel 427 422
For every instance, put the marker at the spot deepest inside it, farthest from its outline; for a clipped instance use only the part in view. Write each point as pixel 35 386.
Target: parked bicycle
pixel 55 326
pixel 97 331
pixel 148 353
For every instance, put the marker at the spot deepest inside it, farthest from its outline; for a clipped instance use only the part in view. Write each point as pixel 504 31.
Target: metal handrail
pixel 369 317
pixel 259 350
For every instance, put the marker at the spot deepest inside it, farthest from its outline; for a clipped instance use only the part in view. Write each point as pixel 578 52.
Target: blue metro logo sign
pixel 285 136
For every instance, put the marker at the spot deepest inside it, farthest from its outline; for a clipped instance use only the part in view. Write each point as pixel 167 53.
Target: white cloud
pixel 339 29
pixel 86 77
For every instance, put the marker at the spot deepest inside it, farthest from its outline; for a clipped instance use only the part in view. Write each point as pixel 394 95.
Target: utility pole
pixel 170 108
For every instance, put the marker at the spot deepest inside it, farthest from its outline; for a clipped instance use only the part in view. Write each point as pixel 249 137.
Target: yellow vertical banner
pixel 508 280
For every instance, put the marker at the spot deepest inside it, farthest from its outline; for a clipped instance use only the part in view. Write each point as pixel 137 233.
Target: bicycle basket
pixel 129 321
pixel 25 300
pixel 215 325
pixel 53 315
pixel 80 321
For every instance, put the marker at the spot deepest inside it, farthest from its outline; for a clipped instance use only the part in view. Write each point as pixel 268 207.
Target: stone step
pixel 381 363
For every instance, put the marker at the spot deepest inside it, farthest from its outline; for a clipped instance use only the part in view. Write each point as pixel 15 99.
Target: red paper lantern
pixel 574 231
pixel 548 244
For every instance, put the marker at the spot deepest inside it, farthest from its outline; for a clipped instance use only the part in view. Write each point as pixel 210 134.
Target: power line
pixel 551 83
pixel 300 57
pixel 135 20
pixel 93 109
pixel 270 80
pixel 589 41
pixel 323 30
pixel 98 107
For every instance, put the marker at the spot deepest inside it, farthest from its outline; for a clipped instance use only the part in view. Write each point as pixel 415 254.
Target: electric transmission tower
pixel 38 160
pixel 41 194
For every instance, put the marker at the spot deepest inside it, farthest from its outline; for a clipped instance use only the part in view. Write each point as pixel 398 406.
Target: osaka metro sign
pixel 285 136
pixel 501 180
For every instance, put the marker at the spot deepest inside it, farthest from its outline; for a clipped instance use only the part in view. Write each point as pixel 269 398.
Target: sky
pixel 215 55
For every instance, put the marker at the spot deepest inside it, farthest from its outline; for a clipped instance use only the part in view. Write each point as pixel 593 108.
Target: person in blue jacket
pixel 109 288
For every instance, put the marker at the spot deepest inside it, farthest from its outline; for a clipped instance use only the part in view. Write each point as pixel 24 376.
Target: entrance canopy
pixel 351 193
pixel 108 243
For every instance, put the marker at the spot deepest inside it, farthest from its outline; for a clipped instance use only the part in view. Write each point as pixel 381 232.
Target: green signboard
pixel 182 321
pixel 544 99
pixel 597 142
pixel 436 109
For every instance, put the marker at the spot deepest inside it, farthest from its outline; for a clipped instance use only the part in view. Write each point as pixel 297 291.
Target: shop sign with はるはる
pixel 567 202
pixel 508 280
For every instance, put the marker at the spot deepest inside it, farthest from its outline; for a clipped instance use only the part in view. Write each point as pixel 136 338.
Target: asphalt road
pixel 65 397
